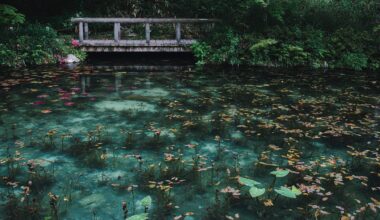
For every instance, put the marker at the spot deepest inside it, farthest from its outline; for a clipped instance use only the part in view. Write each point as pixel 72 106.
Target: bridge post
pixel 178 31
pixel 86 31
pixel 80 31
pixel 147 33
pixel 116 31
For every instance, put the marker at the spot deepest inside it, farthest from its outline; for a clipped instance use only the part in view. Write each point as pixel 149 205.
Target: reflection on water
pixel 97 143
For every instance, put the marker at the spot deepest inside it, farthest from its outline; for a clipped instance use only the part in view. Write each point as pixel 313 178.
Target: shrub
pixel 263 51
pixel 34 44
pixel 9 16
pixel 356 61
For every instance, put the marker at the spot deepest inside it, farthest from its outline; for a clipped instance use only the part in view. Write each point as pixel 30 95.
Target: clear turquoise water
pixel 99 137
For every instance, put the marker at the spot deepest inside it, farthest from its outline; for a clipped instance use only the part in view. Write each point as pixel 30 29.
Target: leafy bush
pixel 9 16
pixel 201 50
pixel 291 55
pixel 356 61
pixel 263 51
pixel 34 44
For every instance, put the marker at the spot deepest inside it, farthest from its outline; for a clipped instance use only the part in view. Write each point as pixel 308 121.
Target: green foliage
pixel 292 55
pixel 142 216
pixel 146 201
pixel 318 33
pixel 10 16
pixel 247 182
pixel 256 192
pixel 34 44
pixel 284 191
pixel 280 173
pixel 356 61
pixel 201 50
pixel 263 51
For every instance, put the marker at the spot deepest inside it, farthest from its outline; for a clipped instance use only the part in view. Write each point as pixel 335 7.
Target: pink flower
pixel 69 103
pixel 43 96
pixel 158 132
pixel 38 103
pixel 75 89
pixel 75 43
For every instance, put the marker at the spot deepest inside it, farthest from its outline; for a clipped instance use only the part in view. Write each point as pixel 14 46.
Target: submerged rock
pixel 127 105
pixel 93 200
pixel 152 92
pixel 70 59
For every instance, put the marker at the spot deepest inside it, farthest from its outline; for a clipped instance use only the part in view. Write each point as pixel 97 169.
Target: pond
pixel 176 142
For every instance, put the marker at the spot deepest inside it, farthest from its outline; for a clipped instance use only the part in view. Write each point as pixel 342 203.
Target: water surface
pixel 98 137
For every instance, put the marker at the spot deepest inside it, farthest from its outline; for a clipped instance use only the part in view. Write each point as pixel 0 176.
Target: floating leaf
pixel 256 192
pixel 280 173
pixel 147 201
pixel 46 111
pixel 247 182
pixel 296 191
pixel 286 192
pixel 268 202
pixel 142 216
pixel 69 103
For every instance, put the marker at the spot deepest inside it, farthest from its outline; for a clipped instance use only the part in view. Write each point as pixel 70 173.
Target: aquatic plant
pixel 142 216
pixel 49 144
pixel 146 202
pixel 125 209
pixel 289 193
pixel 53 202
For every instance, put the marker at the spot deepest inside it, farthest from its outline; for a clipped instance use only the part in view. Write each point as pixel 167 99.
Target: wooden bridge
pixel 117 44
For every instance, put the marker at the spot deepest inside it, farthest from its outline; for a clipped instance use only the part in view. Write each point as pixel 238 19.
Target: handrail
pixel 143 20
pixel 84 30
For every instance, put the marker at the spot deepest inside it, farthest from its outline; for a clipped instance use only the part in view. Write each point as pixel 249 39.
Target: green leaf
pixel 147 201
pixel 247 182
pixel 296 191
pixel 286 192
pixel 142 216
pixel 280 173
pixel 256 192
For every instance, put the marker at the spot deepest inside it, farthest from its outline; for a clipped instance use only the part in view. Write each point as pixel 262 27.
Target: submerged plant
pixel 146 202
pixel 125 209
pixel 54 205
pixel 143 216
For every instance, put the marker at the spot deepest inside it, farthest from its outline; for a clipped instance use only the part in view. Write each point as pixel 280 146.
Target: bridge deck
pixel 136 45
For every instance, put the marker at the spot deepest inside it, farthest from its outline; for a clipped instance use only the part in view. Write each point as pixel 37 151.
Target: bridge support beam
pixel 147 33
pixel 178 32
pixel 86 31
pixel 116 30
pixel 81 32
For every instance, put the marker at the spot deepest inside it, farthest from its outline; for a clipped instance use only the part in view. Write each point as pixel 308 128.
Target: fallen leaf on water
pixel 46 111
pixel 69 103
pixel 268 202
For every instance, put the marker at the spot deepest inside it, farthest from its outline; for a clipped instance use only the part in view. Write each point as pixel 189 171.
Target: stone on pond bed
pixel 126 105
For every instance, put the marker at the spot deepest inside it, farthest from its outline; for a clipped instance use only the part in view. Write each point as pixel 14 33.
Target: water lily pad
pixel 256 192
pixel 296 191
pixel 280 173
pixel 247 182
pixel 147 201
pixel 286 192
pixel 142 216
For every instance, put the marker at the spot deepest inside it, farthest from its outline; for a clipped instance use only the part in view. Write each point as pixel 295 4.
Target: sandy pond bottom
pixel 211 144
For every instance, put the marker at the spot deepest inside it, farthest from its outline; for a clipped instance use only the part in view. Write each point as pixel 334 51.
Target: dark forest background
pixel 317 33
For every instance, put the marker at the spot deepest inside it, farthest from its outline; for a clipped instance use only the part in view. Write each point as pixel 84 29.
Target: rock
pixel 71 59
pixel 127 105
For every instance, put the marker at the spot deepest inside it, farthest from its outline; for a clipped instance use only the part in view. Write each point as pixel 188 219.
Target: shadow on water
pixel 124 59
